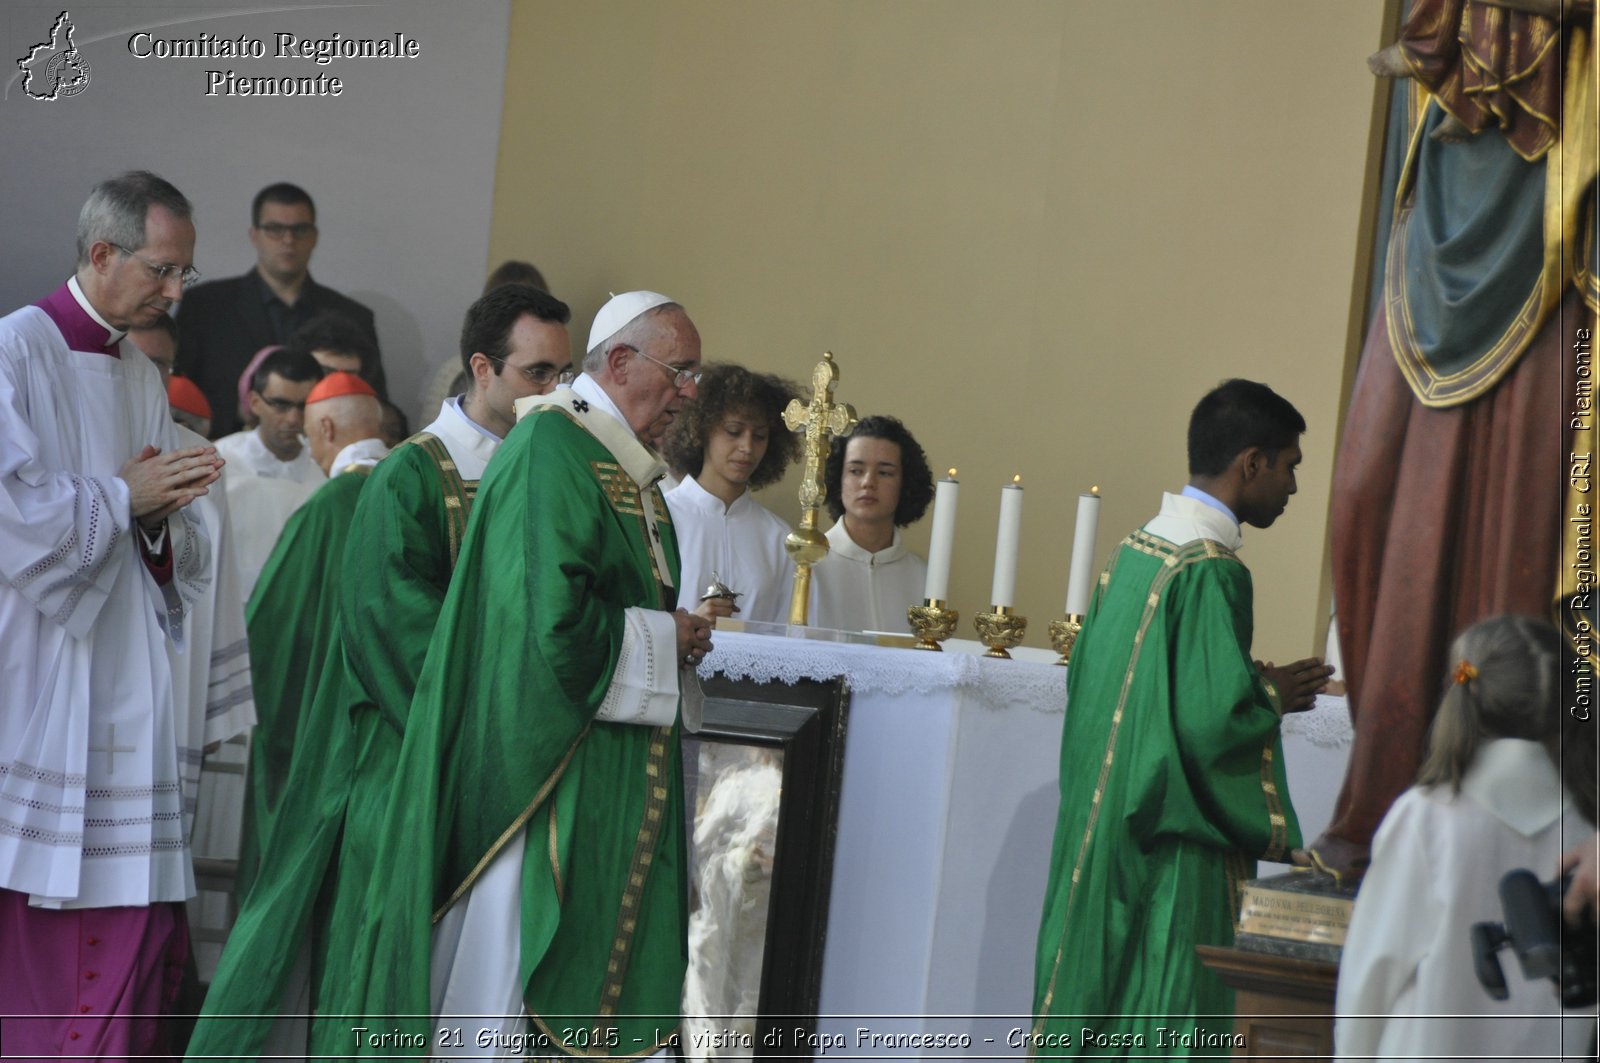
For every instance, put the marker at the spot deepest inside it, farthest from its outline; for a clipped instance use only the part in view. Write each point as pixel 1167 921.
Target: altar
pixel 946 816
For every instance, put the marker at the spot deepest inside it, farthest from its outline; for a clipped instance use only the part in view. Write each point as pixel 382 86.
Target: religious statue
pixel 1445 507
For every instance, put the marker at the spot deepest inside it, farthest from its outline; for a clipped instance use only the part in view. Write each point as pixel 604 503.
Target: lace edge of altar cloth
pixel 1326 725
pixel 1034 684
pixel 873 669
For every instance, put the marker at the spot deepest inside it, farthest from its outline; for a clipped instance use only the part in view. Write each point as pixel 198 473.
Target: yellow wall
pixel 1037 232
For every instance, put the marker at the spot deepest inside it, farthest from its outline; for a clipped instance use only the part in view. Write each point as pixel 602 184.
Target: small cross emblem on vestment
pixel 111 749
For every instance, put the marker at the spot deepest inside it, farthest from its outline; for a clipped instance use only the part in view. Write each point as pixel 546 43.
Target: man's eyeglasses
pixel 187 275
pixel 277 230
pixel 538 375
pixel 681 378
pixel 284 405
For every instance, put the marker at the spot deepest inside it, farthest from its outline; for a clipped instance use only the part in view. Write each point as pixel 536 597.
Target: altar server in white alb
pixel 1507 782
pixel 878 482
pixel 214 666
pixel 729 443
pixel 102 562
pixel 270 473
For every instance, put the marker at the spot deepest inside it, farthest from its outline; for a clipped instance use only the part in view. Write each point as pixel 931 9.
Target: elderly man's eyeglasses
pixel 187 275
pixel 277 230
pixel 538 375
pixel 681 378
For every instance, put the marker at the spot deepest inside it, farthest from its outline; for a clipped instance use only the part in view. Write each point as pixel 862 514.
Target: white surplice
pixel 245 452
pixel 211 689
pixel 91 789
pixel 741 543
pixel 211 681
pixel 362 454
pixel 1437 861
pixel 858 590
pixel 263 494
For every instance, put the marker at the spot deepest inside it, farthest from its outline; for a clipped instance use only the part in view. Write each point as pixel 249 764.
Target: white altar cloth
pixel 946 816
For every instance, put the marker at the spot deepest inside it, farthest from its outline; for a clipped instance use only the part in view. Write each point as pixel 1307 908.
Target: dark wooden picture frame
pixel 806 721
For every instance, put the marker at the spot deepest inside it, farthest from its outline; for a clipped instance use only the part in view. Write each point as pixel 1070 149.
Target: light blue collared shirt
pixel 454 402
pixel 1191 491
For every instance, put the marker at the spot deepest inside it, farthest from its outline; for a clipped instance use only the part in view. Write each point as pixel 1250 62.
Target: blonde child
pixel 1489 799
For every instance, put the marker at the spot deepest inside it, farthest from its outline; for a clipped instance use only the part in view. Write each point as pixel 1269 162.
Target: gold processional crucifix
pixel 818 421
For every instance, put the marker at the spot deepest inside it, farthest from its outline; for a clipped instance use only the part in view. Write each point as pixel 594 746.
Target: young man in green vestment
pixel 291 614
pixel 532 859
pixel 1172 774
pixel 401 551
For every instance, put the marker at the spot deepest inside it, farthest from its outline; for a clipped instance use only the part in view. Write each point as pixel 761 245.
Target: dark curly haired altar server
pixel 878 482
pixel 730 443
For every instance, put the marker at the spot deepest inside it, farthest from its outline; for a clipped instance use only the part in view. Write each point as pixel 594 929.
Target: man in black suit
pixel 221 325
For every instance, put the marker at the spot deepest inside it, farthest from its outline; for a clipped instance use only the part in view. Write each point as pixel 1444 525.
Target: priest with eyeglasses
pixel 103 562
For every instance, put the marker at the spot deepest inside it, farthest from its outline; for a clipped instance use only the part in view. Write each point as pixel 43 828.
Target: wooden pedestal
pixel 1283 1007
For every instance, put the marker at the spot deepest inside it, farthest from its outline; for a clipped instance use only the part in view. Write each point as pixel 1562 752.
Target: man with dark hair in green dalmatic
pixel 1172 774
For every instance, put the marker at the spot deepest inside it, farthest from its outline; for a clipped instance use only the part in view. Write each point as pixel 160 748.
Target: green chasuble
pixel 1172 784
pixel 389 604
pixel 503 737
pixel 397 558
pixel 290 618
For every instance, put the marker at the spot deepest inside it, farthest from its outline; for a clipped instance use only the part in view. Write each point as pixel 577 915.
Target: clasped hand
pixel 694 637
pixel 1298 683
pixel 161 483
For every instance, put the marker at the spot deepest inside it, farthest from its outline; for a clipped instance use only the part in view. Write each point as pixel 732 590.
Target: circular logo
pixel 67 74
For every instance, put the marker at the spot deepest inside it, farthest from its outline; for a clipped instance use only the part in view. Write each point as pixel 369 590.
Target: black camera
pixel 1534 931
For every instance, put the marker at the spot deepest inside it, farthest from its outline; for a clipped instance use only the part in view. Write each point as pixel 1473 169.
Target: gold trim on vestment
pixel 619 488
pixel 1273 695
pixel 555 856
pixel 1278 839
pixel 1236 866
pixel 516 825
pixel 644 845
pixel 626 498
pixel 457 494
pixel 666 598
pixel 1174 560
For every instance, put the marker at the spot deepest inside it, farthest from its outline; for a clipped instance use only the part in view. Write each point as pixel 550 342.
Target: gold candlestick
pixel 1064 635
pixel 1000 629
pixel 933 623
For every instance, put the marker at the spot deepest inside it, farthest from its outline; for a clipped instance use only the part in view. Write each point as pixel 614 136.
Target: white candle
pixel 1005 547
pixel 1080 576
pixel 945 494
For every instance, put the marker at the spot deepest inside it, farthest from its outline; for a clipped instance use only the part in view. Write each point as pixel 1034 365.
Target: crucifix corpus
pixel 818 421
